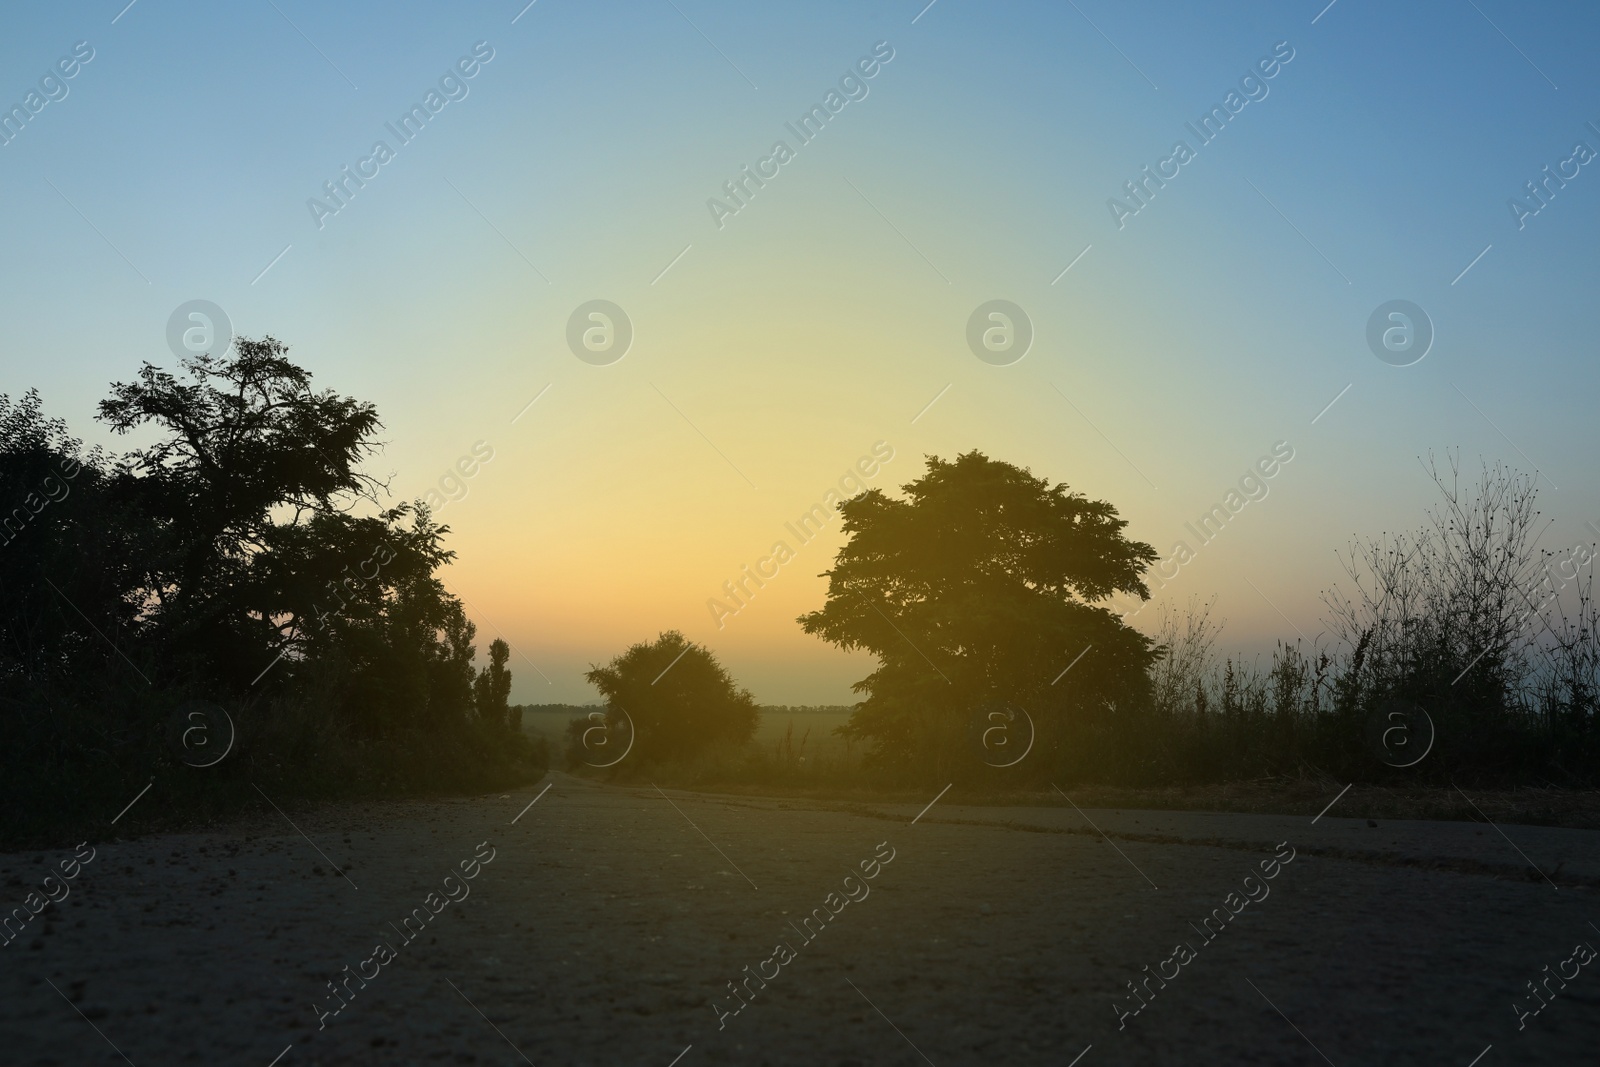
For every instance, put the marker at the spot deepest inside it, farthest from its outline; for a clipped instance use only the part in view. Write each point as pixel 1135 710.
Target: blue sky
pixel 775 350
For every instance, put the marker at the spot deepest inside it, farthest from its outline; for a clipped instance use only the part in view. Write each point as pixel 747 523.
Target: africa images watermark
pixel 1254 86
pixel 12 524
pixel 1253 486
pixel 804 529
pixel 455 889
pixel 1554 577
pixel 52 87
pixel 1583 954
pixel 853 86
pixel 1184 954
pixel 1553 580
pixel 452 86
pixel 1543 190
pixel 809 929
pixel 381 557
pixel 34 903
pixel 452 485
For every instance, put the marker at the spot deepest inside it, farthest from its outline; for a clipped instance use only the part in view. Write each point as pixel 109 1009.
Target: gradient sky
pixel 826 314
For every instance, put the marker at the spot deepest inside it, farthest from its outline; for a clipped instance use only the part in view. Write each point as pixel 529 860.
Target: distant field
pixel 809 732
pixel 551 724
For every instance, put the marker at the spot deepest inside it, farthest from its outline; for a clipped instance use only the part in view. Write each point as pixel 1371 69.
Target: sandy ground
pixel 608 923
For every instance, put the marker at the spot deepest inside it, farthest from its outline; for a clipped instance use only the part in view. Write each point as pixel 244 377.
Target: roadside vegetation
pixel 1460 655
pixel 233 609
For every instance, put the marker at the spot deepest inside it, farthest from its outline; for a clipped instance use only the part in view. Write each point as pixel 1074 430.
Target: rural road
pixel 609 921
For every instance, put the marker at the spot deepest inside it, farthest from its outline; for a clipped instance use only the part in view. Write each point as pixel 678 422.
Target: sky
pixel 1178 336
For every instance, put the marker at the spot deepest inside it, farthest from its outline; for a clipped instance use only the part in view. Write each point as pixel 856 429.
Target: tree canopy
pixel 241 556
pixel 679 698
pixel 491 689
pixel 982 585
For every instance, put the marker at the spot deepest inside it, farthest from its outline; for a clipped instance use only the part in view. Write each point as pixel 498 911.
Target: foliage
pixel 679 699
pixel 246 452
pixel 492 688
pixel 1495 640
pixel 969 606
pixel 226 561
pixel 978 589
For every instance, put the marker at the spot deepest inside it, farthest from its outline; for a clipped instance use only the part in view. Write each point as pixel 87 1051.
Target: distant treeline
pixel 526 716
pixel 765 709
pixel 807 709
pixel 228 611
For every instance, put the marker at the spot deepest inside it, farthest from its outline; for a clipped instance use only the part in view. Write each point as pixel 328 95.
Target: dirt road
pixel 604 925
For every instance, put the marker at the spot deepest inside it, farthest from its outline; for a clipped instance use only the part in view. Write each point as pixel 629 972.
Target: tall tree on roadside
pixel 241 557
pixel 245 449
pixel 491 689
pixel 981 586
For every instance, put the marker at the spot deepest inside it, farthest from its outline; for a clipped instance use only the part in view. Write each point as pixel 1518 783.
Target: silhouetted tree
pixel 362 593
pixel 224 561
pixel 680 699
pixel 980 586
pixel 70 549
pixel 492 688
pixel 246 449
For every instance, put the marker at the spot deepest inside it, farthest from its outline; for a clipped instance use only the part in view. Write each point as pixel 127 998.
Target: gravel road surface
pixel 627 925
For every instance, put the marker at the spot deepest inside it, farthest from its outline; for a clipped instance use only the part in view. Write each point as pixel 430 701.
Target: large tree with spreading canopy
pixel 977 588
